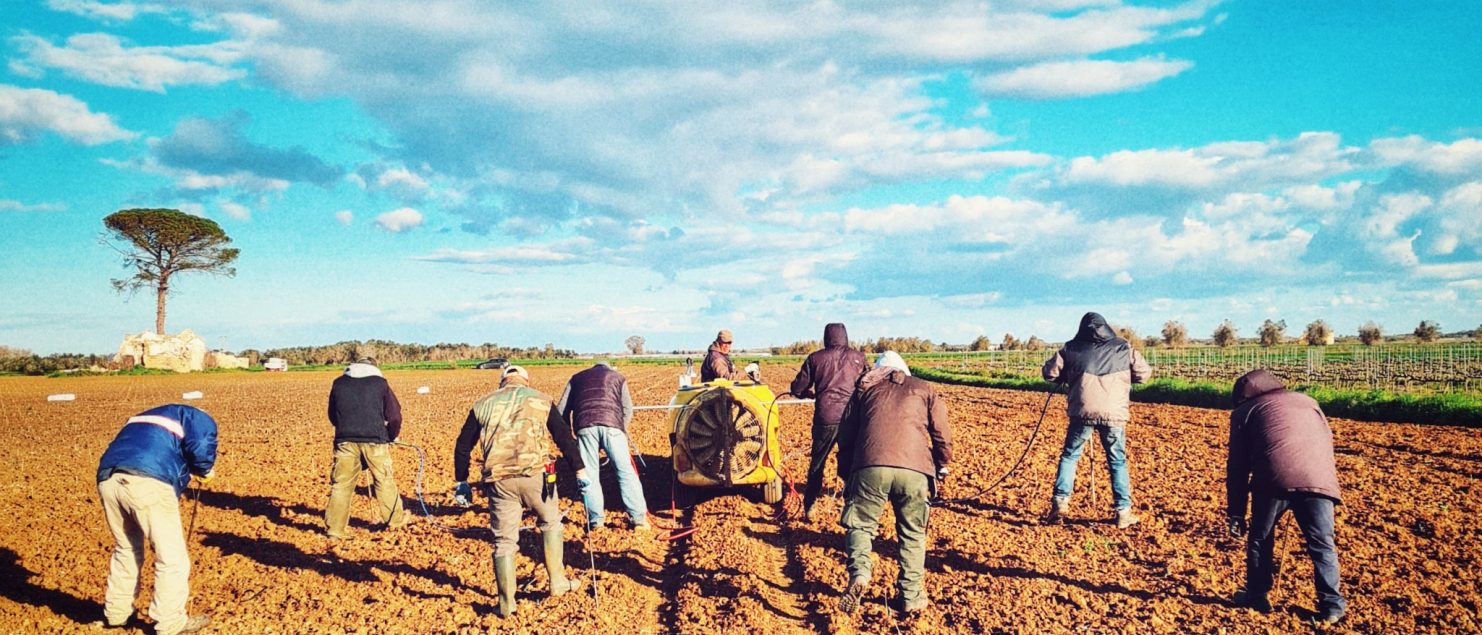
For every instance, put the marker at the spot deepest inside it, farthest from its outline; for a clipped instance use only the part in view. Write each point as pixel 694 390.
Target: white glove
pixel 754 372
pixel 942 473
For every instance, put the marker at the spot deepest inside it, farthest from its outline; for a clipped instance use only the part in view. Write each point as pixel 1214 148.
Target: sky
pixel 575 172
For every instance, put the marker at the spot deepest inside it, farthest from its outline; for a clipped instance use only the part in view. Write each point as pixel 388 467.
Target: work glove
pixel 209 476
pixel 942 473
pixel 1236 526
pixel 754 371
pixel 462 495
pixel 581 478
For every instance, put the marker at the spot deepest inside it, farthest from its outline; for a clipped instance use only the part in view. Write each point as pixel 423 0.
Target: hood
pixel 1094 329
pixel 882 373
pixel 1254 384
pixel 359 370
pixel 715 348
pixel 834 336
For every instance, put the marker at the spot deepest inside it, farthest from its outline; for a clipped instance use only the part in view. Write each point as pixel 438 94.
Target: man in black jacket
pixel 367 419
pixel 827 376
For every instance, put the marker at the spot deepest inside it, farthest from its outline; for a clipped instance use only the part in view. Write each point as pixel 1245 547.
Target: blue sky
pixel 525 173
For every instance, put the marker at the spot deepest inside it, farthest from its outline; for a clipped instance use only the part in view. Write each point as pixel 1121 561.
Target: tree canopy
pixel 156 244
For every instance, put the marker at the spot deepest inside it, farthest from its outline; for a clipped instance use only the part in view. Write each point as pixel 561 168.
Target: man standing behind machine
pixel 598 406
pixel 718 362
pixel 827 376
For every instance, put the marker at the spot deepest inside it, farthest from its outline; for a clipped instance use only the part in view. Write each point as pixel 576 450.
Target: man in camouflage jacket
pixel 514 427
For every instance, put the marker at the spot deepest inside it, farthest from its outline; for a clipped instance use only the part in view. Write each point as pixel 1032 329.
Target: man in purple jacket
pixel 827 376
pixel 1281 458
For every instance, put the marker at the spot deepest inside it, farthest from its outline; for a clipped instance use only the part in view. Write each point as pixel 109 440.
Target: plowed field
pixel 1408 536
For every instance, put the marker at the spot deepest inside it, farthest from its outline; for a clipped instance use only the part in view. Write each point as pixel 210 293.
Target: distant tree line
pixel 386 352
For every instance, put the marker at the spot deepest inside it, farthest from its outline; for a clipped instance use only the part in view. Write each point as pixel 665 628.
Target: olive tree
pixel 1371 334
pixel 1318 333
pixel 1272 332
pixel 1224 334
pixel 156 244
pixel 635 344
pixel 1428 331
pixel 1174 333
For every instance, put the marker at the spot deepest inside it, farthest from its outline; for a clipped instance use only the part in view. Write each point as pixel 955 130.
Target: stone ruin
pixel 182 353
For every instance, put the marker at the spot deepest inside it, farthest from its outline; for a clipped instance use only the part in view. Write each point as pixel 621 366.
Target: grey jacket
pixel 1099 369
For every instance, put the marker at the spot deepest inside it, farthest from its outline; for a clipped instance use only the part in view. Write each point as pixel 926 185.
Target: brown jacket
pixel 717 365
pixel 894 420
pixel 1280 443
pixel 1099 369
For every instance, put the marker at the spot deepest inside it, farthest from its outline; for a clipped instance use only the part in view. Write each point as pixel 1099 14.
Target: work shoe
pixel 852 594
pixel 1243 599
pixel 1125 518
pixel 1328 618
pixel 1058 506
pixel 910 609
pixel 195 623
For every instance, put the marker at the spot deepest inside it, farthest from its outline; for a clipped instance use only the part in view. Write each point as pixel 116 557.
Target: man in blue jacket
pixel 140 479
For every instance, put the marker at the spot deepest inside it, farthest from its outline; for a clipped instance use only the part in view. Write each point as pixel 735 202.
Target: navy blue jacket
pixel 166 443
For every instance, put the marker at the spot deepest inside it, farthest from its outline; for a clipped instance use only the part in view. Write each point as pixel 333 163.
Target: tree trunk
pixel 159 305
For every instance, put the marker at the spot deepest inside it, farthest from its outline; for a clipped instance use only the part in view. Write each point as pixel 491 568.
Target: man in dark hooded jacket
pixel 827 376
pixel 1281 458
pixel 1098 369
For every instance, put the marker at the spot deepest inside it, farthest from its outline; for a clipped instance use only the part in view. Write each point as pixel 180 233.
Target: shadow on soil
pixel 284 555
pixel 16 585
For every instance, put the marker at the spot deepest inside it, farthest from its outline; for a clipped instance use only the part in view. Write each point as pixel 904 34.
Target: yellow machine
pixel 724 433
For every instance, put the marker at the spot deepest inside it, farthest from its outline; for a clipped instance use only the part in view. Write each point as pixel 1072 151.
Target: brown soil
pixel 1407 540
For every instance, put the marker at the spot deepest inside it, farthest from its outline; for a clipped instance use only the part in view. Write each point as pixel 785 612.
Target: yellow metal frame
pixel 755 397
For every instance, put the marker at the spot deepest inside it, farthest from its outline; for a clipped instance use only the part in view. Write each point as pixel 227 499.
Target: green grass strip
pixel 1362 405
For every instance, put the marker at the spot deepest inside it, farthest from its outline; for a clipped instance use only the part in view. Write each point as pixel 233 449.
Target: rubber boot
pixel 504 577
pixel 555 565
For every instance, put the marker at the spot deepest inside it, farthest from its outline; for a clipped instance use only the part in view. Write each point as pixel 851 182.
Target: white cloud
pixel 399 220
pixel 8 205
pixel 1176 168
pixel 104 59
pixel 27 112
pixel 1460 157
pixel 236 210
pixel 1081 78
pixel 120 11
pixel 1122 278
pixel 345 217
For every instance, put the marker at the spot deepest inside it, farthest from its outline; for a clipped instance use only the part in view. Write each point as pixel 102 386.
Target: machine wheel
pixel 772 491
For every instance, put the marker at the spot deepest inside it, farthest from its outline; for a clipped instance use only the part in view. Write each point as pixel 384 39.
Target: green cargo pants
pixel 864 498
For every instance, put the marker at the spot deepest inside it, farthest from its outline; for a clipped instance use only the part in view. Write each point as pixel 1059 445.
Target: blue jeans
pixel 1114 441
pixel 615 442
pixel 1315 518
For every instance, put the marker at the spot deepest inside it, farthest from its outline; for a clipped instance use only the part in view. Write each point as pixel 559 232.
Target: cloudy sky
pixel 578 172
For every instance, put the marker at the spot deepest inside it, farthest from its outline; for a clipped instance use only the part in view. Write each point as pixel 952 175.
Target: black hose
pixel 1023 455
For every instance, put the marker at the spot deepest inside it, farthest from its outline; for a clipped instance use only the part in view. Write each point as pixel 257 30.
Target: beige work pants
pixel 349 459
pixel 140 509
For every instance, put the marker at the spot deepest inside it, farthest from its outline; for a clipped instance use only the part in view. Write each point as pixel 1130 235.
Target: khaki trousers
pixel 508 500
pixel 349 459
pixel 140 509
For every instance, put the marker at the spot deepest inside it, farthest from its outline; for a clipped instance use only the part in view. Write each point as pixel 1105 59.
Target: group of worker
pixel 891 429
